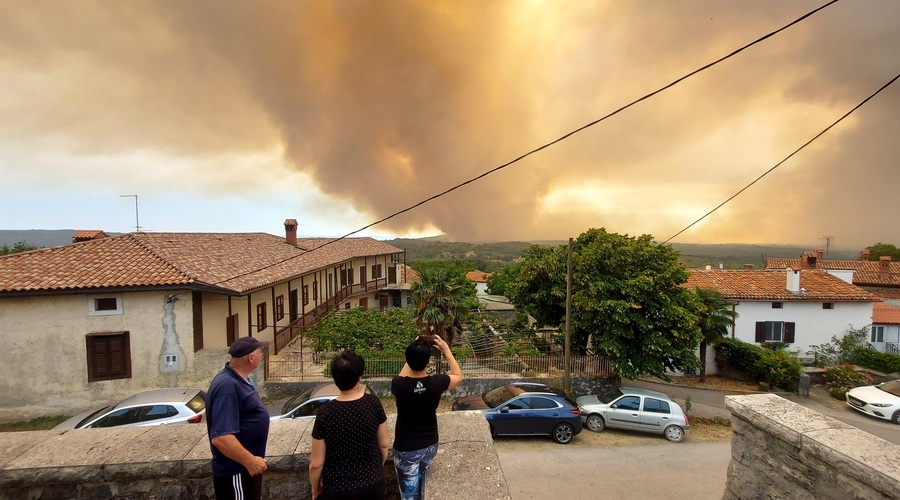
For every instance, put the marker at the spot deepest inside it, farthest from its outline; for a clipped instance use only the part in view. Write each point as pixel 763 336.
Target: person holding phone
pixel 418 395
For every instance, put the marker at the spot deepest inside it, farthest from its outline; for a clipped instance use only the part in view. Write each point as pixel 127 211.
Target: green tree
pixel 880 249
pixel 627 299
pixel 500 279
pixel 443 301
pixel 368 332
pixel 716 316
pixel 20 246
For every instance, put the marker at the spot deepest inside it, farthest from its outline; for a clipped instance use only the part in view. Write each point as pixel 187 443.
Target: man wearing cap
pixel 238 424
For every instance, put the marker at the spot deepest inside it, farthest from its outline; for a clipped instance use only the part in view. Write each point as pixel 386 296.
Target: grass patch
pixel 35 424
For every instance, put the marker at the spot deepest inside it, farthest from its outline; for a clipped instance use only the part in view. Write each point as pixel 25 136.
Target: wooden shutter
pixel 760 331
pixel 108 356
pixel 392 274
pixel 231 328
pixel 788 332
pixel 197 310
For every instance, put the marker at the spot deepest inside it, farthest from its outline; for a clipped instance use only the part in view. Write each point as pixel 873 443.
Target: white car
pixel 306 404
pixel 156 407
pixel 882 400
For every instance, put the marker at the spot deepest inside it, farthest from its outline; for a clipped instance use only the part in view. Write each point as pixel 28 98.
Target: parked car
pixel 156 407
pixel 307 403
pixel 525 409
pixel 882 400
pixel 494 397
pixel 634 409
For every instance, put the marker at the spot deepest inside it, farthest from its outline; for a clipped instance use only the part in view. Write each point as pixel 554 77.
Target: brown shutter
pixel 788 332
pixel 760 331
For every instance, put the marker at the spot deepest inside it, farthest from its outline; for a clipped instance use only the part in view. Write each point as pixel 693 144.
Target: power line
pixel 788 157
pixel 551 143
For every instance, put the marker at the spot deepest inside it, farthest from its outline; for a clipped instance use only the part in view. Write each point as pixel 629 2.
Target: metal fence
pixel 293 367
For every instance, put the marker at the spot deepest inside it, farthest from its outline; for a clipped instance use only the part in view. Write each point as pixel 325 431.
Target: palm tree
pixel 440 304
pixel 716 316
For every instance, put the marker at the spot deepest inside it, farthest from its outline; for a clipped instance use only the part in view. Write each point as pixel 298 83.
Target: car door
pixel 545 414
pixel 655 415
pixel 625 413
pixel 512 417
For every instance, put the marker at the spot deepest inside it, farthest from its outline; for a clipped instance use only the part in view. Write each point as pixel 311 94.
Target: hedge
pixel 776 366
pixel 878 361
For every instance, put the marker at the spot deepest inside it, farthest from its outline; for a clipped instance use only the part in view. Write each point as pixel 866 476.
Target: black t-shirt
pixel 350 432
pixel 417 401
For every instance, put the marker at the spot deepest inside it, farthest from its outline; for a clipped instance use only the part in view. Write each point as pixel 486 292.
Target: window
pixel 104 305
pixel 517 404
pixel 376 271
pixel 656 406
pixel 774 331
pixel 362 274
pixel 350 276
pixel 279 308
pixel 827 305
pixel 310 408
pixel 628 403
pixel 305 294
pixel 120 417
pixel 343 278
pixel 538 403
pixel 156 412
pixel 877 334
pixel 261 317
pixel 777 305
pixel 232 328
pixel 108 356
pixel 346 306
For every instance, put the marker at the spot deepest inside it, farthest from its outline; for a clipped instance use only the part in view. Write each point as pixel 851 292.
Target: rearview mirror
pixel 505 409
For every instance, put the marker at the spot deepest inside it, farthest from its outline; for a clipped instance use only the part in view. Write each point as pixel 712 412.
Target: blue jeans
pixel 411 468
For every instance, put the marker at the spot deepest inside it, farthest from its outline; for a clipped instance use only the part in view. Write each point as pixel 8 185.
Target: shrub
pixel 840 350
pixel 778 367
pixel 740 355
pixel 878 361
pixel 840 379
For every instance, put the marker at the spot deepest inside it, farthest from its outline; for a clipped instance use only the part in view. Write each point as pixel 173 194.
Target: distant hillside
pixel 37 237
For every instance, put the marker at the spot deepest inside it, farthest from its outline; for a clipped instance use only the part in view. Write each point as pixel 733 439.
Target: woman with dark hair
pixel 350 438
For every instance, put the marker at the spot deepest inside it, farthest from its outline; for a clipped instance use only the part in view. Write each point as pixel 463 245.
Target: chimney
pixel 87 235
pixel 290 231
pixel 748 267
pixel 884 264
pixel 793 280
pixel 808 260
pixel 864 254
pixel 820 253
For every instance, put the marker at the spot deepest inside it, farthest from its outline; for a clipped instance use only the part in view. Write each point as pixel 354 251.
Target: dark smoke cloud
pixel 384 104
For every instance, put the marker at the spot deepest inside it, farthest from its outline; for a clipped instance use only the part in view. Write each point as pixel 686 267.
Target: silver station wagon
pixel 634 409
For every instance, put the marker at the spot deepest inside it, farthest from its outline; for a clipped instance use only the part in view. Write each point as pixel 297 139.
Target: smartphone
pixel 427 338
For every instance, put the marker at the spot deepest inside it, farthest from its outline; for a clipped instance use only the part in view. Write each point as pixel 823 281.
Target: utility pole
pixel 567 380
pixel 827 243
pixel 137 224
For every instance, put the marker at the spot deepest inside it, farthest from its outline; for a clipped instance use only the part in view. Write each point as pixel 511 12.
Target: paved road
pixel 661 472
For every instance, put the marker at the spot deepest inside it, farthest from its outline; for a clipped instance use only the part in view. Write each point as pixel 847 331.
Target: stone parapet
pixel 780 449
pixel 173 462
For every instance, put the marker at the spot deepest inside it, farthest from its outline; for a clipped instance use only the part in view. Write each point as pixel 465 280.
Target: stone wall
pixel 780 449
pixel 172 462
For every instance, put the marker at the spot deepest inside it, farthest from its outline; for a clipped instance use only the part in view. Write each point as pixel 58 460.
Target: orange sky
pixel 236 116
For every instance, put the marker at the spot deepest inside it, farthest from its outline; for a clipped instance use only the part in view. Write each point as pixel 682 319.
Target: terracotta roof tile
pixel 771 284
pixel 865 272
pixel 235 261
pixel 884 314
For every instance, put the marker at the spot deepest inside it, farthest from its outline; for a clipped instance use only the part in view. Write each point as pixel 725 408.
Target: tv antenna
pixel 827 243
pixel 137 224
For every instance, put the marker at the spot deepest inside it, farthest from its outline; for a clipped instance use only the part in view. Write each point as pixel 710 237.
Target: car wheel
pixel 493 431
pixel 563 433
pixel 674 434
pixel 595 423
pixel 896 418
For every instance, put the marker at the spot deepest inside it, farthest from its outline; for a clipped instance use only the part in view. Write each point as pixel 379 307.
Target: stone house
pixel 110 316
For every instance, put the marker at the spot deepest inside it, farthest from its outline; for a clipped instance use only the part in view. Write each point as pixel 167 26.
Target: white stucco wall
pixel 46 357
pixel 813 324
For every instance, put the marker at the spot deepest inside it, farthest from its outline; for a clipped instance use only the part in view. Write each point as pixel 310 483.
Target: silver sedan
pixel 634 409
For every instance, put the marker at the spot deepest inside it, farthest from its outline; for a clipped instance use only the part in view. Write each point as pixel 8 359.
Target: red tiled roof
pixel 238 262
pixel 477 276
pixel 884 314
pixel 771 284
pixel 865 272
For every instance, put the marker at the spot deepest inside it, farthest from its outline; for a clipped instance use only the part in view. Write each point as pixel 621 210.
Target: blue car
pixel 527 413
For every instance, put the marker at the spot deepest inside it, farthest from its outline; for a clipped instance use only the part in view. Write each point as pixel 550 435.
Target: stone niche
pixel 780 449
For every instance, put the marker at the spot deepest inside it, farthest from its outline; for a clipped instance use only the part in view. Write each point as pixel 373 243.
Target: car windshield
pixel 94 415
pixel 500 395
pixel 891 387
pixel 296 401
pixel 609 396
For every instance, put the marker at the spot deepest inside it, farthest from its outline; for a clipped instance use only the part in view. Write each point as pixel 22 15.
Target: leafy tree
pixel 443 301
pixel 880 249
pixel 369 332
pixel 501 278
pixel 627 299
pixel 716 316
pixel 20 246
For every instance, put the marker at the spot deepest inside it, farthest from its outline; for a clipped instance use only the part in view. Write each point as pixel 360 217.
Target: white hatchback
pixel 882 400
pixel 634 409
